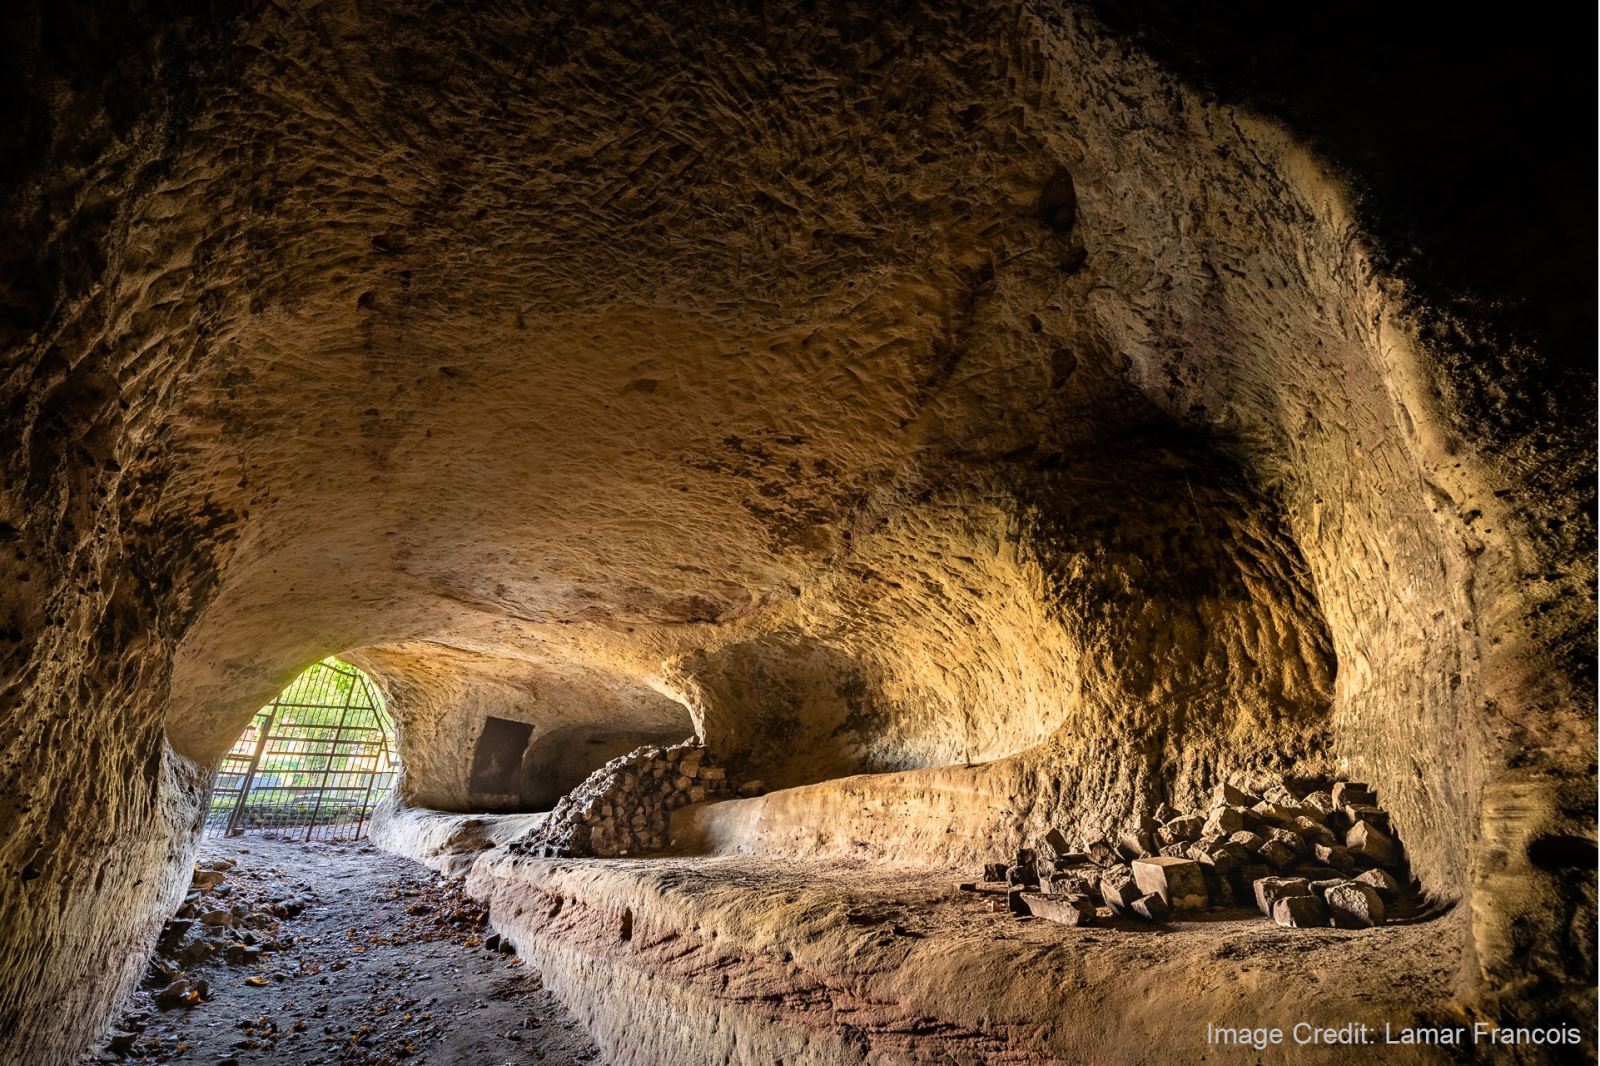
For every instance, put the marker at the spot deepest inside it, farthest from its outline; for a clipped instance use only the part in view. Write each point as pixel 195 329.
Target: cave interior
pixel 956 421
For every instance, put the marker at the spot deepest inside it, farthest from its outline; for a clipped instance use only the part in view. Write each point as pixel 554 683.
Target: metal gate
pixel 311 764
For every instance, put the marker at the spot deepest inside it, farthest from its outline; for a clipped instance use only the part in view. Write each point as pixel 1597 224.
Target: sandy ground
pixel 385 964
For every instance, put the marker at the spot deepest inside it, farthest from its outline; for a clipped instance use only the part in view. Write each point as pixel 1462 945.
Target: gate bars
pixel 316 758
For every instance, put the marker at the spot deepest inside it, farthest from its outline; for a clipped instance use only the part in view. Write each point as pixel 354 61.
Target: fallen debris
pixel 1309 860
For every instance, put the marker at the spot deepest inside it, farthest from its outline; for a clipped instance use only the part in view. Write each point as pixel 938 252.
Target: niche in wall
pixel 497 761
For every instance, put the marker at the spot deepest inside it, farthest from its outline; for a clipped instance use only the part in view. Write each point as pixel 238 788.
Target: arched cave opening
pixel 884 534
pixel 312 764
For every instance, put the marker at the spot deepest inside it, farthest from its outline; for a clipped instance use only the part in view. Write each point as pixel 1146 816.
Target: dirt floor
pixel 338 954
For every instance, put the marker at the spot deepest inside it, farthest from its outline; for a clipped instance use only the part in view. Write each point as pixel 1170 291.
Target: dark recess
pixel 1469 130
pixel 497 762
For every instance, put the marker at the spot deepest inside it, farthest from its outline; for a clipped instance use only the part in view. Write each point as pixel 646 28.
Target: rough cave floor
pixel 812 962
pixel 387 964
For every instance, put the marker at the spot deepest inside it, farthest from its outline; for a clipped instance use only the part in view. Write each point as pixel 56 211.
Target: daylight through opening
pixel 311 764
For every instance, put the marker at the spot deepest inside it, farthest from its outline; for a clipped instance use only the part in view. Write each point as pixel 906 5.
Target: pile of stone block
pixel 623 808
pixel 1317 859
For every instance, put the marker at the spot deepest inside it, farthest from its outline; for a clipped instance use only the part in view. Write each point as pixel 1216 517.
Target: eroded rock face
pixel 949 395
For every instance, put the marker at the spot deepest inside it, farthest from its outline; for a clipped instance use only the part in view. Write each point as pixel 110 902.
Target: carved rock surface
pixel 957 417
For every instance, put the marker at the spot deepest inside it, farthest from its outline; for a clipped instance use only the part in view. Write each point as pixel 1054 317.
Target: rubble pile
pixel 1320 859
pixel 234 922
pixel 623 807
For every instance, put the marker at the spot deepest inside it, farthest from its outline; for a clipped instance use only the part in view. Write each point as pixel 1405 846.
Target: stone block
pixel 1135 845
pixel 1368 842
pixel 1387 887
pixel 1313 832
pixel 1269 890
pixel 1119 890
pixel 1251 842
pixel 1103 853
pixel 1068 910
pixel 1221 857
pixel 1225 795
pixel 1179 850
pixel 1334 855
pixel 1119 894
pixel 1280 795
pixel 1373 816
pixel 1320 802
pixel 1022 876
pixel 1164 813
pixel 1178 881
pixel 1289 839
pixel 1056 841
pixel 1276 854
pixel 1183 830
pixel 1151 907
pixel 1057 884
pixel 1286 814
pixel 1225 820
pixel 1313 871
pixel 1354 905
pixel 1275 814
pixel 1300 912
pixel 1346 793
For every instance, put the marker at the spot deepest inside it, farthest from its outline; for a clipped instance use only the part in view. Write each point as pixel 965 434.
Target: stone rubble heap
pixel 623 808
pixel 1326 858
pixel 218 921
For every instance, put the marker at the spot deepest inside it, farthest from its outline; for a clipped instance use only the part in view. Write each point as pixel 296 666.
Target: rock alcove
pixel 965 421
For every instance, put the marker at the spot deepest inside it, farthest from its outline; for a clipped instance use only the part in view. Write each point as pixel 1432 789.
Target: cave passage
pixel 934 532
pixel 292 953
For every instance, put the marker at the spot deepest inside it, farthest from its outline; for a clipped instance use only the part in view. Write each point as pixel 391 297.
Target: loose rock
pixel 1068 910
pixel 1371 843
pixel 1177 881
pixel 1300 912
pixel 1354 905
pixel 1269 890
pixel 1387 887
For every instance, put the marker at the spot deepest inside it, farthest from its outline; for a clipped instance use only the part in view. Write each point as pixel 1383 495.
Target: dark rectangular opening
pixel 497 763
